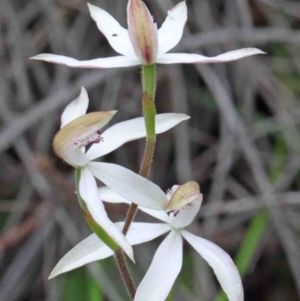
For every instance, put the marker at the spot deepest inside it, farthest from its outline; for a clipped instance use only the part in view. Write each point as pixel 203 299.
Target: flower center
pixel 90 139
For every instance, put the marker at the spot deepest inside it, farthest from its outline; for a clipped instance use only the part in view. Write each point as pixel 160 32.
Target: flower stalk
pixel 149 112
pixel 149 80
pixel 125 273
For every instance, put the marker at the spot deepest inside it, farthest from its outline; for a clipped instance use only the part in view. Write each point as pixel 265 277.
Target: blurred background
pixel 242 145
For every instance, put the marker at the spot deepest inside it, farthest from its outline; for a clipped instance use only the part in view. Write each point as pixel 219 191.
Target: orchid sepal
pixel 100 232
pixel 96 216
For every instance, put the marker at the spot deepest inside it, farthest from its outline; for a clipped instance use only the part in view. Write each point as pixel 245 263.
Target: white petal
pixel 108 195
pixel 76 108
pixel 89 193
pixel 171 31
pixel 109 62
pixel 163 271
pixel 191 58
pixel 184 216
pixel 126 131
pixel 116 35
pixel 161 215
pixel 130 185
pixel 88 250
pixel 142 232
pixel 223 266
pixel 93 249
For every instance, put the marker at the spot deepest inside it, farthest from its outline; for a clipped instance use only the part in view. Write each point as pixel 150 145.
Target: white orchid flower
pixel 80 129
pixel 181 205
pixel 142 43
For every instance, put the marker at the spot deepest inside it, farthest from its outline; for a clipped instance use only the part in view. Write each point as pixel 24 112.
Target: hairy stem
pixel 149 80
pixel 125 273
pixel 149 112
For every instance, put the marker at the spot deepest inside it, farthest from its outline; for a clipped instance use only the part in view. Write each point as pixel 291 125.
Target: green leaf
pixel 94 290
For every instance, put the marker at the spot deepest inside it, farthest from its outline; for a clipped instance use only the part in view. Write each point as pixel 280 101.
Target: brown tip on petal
pixel 75 134
pixel 185 194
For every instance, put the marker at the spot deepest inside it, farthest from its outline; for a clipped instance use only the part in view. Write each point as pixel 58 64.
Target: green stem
pixel 149 80
pixel 125 273
pixel 149 112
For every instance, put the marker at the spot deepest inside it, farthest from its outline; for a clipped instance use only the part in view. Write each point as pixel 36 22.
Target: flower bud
pixel 142 31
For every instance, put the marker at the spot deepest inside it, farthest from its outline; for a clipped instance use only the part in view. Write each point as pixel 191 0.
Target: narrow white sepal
pixel 223 266
pixel 109 62
pixel 191 58
pixel 142 232
pixel 93 249
pixel 161 215
pixel 89 192
pixel 116 35
pixel 171 30
pixel 76 108
pixel 109 196
pixel 129 185
pixel 133 129
pixel 163 271
pixel 88 250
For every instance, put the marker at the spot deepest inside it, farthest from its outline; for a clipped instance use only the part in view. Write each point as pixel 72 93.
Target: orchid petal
pixel 93 249
pixel 88 250
pixel 163 271
pixel 70 140
pixel 76 108
pixel 187 58
pixel 171 30
pixel 109 62
pixel 161 215
pixel 89 193
pixel 130 185
pixel 142 232
pixel 184 204
pixel 116 35
pixel 109 196
pixel 184 216
pixel 133 129
pixel 223 266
